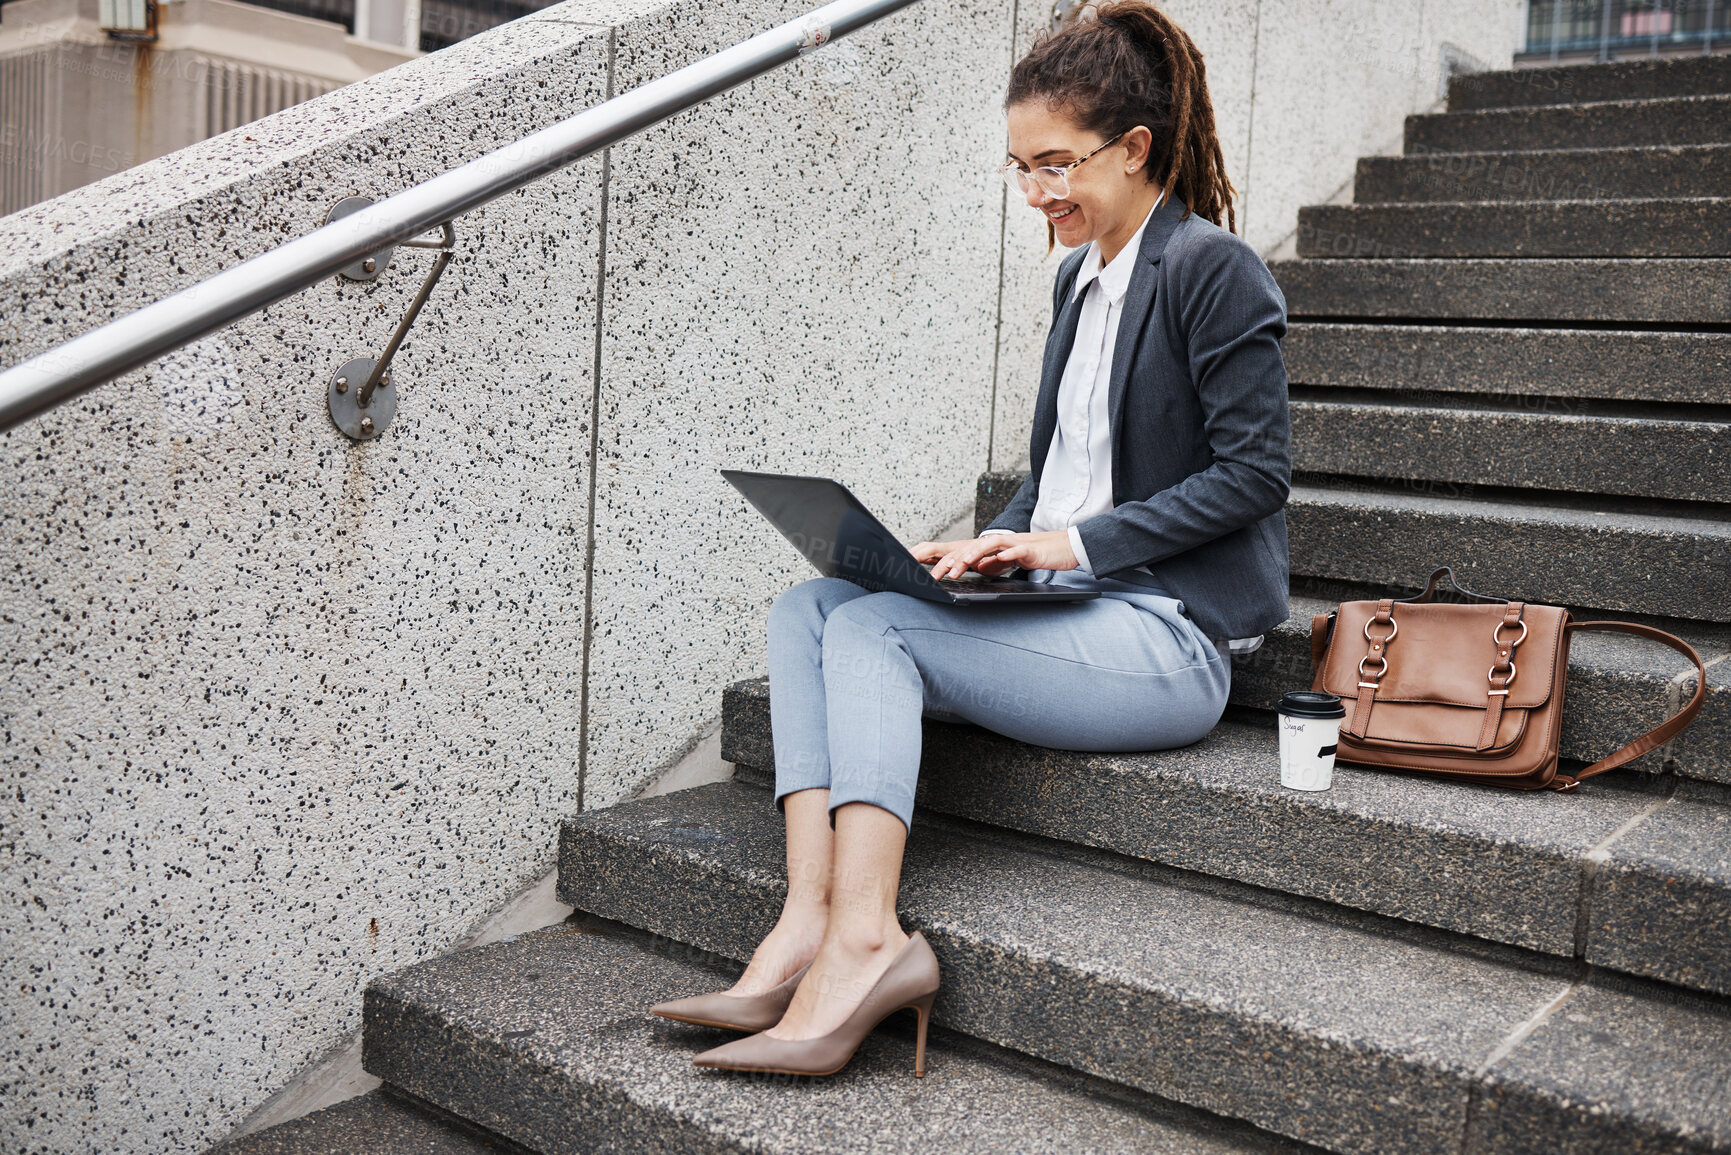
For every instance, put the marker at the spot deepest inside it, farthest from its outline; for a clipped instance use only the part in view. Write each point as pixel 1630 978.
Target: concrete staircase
pixel 1513 354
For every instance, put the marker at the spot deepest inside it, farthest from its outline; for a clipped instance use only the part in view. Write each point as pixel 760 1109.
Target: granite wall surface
pixel 282 712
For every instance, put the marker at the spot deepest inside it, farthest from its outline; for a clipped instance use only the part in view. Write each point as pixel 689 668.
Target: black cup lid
pixel 1311 704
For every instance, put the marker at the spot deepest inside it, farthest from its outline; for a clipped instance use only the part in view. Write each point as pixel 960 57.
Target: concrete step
pixel 1596 875
pixel 1589 125
pixel 377 1123
pixel 1357 433
pixel 1669 292
pixel 1624 80
pixel 1545 371
pixel 1618 688
pixel 1347 1030
pixel 1698 227
pixel 1661 564
pixel 1631 563
pixel 546 1038
pixel 1565 175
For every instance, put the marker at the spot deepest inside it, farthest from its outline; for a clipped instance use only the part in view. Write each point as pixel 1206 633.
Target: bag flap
pixel 1422 726
pixel 1443 653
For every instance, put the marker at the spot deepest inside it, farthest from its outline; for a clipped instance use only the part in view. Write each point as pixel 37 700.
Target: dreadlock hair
pixel 1132 65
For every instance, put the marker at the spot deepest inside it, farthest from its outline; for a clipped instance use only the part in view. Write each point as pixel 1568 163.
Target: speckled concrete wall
pixel 835 232
pixel 283 713
pixel 1302 89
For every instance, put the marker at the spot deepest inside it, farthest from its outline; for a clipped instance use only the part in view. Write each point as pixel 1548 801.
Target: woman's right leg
pixel 798 718
pixel 797 934
pixel 863 935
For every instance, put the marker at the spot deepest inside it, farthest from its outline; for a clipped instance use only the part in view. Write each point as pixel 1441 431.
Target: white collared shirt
pixel 1076 479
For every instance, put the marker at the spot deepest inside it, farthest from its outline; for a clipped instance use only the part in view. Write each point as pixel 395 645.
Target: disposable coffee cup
pixel 1309 731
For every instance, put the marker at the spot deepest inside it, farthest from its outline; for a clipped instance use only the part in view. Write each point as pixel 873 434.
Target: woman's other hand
pixel 997 553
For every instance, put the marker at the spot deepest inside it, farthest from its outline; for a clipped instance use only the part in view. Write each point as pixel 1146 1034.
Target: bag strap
pixel 1429 594
pixel 1504 668
pixel 1376 650
pixel 1666 730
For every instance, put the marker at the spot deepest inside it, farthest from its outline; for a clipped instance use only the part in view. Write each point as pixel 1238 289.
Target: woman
pixel 1161 464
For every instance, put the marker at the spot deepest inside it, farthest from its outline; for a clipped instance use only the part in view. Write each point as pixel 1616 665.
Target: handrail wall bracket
pixel 359 394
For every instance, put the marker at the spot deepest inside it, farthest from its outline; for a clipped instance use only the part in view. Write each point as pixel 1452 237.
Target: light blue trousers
pixel 851 673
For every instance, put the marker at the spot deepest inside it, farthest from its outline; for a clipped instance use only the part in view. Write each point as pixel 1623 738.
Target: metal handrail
pixel 63 372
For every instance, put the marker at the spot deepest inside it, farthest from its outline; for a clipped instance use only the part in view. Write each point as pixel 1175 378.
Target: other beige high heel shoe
pixel 910 983
pixel 734 1012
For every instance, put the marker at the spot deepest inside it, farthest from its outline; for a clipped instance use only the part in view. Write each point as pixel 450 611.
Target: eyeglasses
pixel 1053 180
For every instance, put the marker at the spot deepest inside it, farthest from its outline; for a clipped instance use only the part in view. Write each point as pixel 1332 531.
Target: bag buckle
pixel 1507 682
pixel 1377 647
pixel 1505 654
pixel 1393 629
pixel 1497 638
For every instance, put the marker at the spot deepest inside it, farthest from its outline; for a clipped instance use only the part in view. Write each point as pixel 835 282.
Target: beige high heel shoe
pixel 734 1012
pixel 910 983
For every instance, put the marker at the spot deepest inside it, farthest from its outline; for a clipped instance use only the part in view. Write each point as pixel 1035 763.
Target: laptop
pixel 842 539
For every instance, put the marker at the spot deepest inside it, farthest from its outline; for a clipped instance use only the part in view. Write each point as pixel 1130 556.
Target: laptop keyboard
pixel 977 585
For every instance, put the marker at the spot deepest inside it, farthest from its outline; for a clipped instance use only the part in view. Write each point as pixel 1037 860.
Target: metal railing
pixel 62 373
pixel 1622 28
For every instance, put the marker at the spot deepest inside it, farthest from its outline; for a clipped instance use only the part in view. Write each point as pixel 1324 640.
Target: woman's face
pixel 1109 193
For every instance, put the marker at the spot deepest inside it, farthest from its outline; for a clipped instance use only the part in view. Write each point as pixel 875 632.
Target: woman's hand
pixel 998 553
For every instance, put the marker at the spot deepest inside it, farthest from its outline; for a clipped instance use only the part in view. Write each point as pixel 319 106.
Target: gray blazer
pixel 1201 444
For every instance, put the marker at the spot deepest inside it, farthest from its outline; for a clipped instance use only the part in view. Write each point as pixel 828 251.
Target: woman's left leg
pixel 799 730
pixel 1097 675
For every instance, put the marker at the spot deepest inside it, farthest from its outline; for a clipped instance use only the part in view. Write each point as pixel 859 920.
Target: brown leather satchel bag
pixel 1466 686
